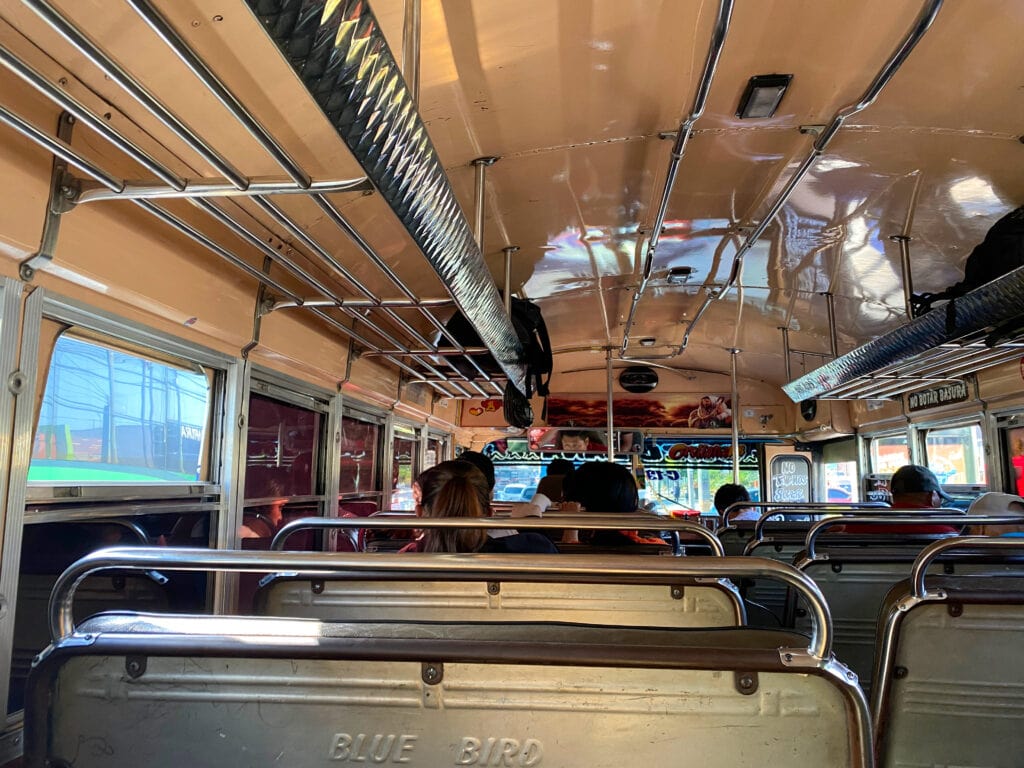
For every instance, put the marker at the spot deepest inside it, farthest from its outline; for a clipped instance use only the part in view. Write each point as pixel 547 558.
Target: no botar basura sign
pixel 954 392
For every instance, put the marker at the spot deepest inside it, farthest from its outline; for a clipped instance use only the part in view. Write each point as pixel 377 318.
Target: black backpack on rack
pixel 1001 251
pixel 533 336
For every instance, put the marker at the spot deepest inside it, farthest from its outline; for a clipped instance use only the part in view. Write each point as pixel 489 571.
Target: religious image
pixel 710 411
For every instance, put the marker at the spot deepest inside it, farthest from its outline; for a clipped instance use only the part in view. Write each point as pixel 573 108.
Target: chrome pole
pixel 61 149
pixel 785 352
pixel 430 351
pixel 207 188
pixel 364 304
pixel 508 251
pixel 611 404
pixel 894 519
pixel 908 281
pixel 597 521
pixel 735 408
pixel 480 164
pixel 411 35
pixel 445 567
pixel 833 334
pixel 932 551
pixel 678 150
pixel 86 117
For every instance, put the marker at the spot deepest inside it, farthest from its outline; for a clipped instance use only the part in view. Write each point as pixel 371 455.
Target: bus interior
pixel 265 262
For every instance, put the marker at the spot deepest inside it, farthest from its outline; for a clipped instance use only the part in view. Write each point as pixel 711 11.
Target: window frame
pixel 368 416
pixel 921 432
pixel 67 502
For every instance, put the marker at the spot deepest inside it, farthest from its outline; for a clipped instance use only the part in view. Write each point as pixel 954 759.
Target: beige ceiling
pixel 572 97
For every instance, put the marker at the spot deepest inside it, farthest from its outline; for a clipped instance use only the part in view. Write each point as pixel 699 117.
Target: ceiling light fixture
pixel 762 96
pixel 648 342
pixel 679 275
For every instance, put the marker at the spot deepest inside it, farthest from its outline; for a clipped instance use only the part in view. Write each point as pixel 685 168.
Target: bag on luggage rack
pixel 1001 251
pixel 533 335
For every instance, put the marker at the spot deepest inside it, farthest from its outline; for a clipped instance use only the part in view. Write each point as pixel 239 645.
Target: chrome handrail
pixel 921 25
pixel 683 134
pixel 444 567
pixel 798 505
pixel 881 511
pixel 933 551
pixel 593 522
pixel 907 519
pixel 889 623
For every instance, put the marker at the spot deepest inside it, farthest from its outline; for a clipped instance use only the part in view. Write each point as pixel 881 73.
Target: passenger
pixel 912 487
pixel 549 490
pixel 579 441
pixel 459 489
pixel 996 504
pixel 600 486
pixel 484 464
pixel 730 494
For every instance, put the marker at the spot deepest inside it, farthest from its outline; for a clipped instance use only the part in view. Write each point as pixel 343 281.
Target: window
pixel 839 467
pixel 956 455
pixel 405 467
pixel 360 442
pixel 889 453
pixel 435 451
pixel 283 439
pixel 110 416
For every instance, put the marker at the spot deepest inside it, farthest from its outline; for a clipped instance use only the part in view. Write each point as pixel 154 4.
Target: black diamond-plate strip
pixel 338 51
pixel 998 303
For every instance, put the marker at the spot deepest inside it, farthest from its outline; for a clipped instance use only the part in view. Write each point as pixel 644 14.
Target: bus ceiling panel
pixel 987 323
pixel 832 52
pixel 948 96
pixel 577 200
pixel 601 74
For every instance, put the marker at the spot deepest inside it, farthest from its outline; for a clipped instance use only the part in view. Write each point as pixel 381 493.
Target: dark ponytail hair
pixel 454 489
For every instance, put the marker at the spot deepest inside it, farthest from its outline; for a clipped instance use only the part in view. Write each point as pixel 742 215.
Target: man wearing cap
pixel 912 487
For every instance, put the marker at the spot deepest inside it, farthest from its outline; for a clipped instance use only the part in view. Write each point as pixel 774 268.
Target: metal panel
pixel 338 51
pixel 960 699
pixel 689 605
pixel 300 692
pixel 233 451
pixel 75 313
pixel 21 454
pixel 332 459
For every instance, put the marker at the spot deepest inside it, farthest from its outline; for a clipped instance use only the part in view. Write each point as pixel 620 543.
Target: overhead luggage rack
pixel 981 329
pixel 397 154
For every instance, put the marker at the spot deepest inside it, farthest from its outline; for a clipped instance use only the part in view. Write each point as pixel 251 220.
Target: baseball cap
pixel 995 503
pixel 913 478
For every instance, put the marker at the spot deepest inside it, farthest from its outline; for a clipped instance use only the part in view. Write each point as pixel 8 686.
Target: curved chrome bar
pixel 798 505
pixel 865 511
pixel 588 522
pixel 908 519
pixel 923 22
pixel 678 150
pixel 933 551
pixel 921 25
pixel 444 567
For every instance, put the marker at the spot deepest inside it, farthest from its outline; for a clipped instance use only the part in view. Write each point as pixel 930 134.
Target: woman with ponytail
pixel 459 489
